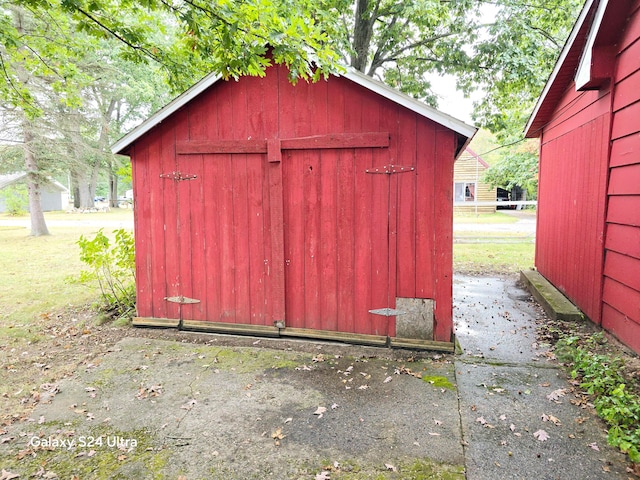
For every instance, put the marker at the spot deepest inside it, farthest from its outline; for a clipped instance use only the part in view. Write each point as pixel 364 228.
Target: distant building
pixel 54 195
pixel 468 187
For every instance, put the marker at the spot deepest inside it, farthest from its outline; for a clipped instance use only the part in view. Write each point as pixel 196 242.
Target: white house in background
pixel 54 195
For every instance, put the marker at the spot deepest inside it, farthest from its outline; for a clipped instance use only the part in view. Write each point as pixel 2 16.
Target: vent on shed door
pixel 389 170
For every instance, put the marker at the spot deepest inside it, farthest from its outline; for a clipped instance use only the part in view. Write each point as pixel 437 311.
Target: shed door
pixel 223 238
pixel 338 254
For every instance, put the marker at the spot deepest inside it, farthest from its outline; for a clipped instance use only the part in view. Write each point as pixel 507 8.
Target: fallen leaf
pixel 363 387
pixel 503 417
pixel 556 394
pixel 323 475
pixel 555 420
pixel 388 379
pixel 541 435
pixel 390 467
pixel 481 421
pixel 189 405
pixel 320 411
pixel 277 436
pixel 8 475
pixel 6 439
pixel 594 446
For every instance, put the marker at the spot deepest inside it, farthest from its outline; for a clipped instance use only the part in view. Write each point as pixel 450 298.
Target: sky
pixel 450 100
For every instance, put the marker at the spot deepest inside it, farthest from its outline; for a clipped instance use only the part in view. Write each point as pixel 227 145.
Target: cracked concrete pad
pixel 511 391
pixel 213 412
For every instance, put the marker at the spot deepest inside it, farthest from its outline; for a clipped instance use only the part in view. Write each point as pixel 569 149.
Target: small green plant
pixel 112 265
pixel 16 199
pixel 601 377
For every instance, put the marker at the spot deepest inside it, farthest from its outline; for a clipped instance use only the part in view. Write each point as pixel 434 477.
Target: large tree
pixel 53 94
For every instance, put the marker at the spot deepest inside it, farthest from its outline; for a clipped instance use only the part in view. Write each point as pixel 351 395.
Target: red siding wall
pixel 352 241
pixel 572 192
pixel 621 294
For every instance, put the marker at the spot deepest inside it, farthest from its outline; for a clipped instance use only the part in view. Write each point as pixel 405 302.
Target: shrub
pixel 16 199
pixel 601 377
pixel 112 265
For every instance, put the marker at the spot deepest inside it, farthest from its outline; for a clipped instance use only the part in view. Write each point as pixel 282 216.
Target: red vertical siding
pixel 573 166
pixel 621 294
pixel 443 225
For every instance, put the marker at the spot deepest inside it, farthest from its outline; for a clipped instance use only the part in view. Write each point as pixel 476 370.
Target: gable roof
pixel 469 154
pixel 458 126
pixel 600 23
pixel 11 178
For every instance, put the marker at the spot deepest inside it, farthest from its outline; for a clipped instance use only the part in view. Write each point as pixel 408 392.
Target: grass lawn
pixel 34 272
pixel 113 214
pixel 497 217
pixel 492 258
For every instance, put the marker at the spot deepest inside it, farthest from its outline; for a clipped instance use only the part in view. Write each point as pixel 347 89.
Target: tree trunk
pixel 363 31
pixel 83 197
pixel 113 190
pixel 38 224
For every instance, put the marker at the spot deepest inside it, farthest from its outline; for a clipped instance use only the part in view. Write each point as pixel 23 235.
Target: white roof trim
pixel 369 83
pixel 11 178
pixel 406 101
pixel 560 61
pixel 583 75
pixel 158 117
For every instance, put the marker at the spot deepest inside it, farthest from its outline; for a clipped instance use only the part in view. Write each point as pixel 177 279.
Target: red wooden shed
pixel 588 121
pixel 318 210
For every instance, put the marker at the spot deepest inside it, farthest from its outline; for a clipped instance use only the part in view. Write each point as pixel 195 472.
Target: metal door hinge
pixel 387 312
pixel 181 300
pixel 389 169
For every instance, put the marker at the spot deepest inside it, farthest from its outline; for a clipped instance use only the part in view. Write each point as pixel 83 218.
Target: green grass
pixel 117 214
pixel 492 258
pixel 113 214
pixel 33 273
pixel 497 217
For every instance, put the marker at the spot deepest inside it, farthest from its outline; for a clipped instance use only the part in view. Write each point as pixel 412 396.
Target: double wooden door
pixel 284 234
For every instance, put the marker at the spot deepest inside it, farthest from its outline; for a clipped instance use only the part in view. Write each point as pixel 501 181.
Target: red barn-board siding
pixel 589 160
pixel 571 214
pixel 622 261
pixel 237 209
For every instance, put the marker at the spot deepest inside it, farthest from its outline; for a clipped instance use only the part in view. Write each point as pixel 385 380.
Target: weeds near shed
pixel 113 266
pixel 601 377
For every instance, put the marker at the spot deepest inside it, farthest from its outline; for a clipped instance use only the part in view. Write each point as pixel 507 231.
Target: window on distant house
pixel 464 192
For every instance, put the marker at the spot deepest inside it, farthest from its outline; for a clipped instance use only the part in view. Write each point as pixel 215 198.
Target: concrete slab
pixel 267 408
pixel 557 306
pixel 513 395
pixel 209 411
